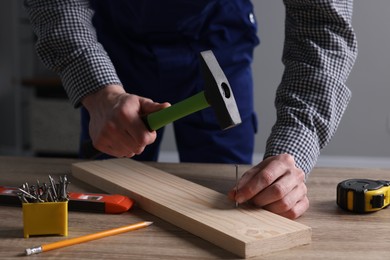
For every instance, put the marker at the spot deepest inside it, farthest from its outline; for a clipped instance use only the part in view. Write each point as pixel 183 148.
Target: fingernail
pixel 240 198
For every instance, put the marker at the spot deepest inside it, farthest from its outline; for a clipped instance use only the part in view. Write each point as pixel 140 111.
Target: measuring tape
pixel 363 195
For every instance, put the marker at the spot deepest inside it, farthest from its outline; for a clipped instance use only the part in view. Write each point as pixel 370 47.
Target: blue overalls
pixel 155 45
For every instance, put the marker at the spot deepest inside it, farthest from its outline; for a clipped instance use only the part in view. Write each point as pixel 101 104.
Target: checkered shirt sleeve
pixel 67 45
pixel 319 52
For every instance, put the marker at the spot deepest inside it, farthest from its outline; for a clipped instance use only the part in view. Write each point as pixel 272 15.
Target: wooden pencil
pixel 86 238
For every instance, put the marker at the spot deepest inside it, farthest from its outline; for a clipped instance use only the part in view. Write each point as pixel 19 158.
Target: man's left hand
pixel 275 184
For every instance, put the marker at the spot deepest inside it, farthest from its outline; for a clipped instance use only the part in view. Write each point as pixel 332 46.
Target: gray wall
pixel 9 71
pixel 365 128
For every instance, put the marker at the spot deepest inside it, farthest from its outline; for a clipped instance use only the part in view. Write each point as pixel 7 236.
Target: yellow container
pixel 45 218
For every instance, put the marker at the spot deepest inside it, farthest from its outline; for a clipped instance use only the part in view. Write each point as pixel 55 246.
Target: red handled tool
pixel 89 202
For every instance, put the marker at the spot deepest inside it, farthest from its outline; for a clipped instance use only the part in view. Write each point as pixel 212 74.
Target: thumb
pixel 148 106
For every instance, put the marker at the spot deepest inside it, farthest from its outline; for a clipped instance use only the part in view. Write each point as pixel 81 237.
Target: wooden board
pixel 244 231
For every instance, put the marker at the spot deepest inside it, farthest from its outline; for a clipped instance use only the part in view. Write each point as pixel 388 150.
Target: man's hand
pixel 275 184
pixel 116 127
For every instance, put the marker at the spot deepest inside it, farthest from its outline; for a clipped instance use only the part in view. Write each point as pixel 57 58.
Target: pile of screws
pixel 52 192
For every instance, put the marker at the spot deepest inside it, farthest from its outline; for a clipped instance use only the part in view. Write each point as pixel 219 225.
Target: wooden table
pixel 336 234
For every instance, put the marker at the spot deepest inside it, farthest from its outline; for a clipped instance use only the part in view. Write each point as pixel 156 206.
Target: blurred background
pixel 37 119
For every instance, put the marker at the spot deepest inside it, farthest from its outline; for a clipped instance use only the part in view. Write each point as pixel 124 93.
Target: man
pixel 120 60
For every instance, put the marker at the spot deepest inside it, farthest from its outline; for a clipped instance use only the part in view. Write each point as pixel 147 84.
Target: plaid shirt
pixel 319 52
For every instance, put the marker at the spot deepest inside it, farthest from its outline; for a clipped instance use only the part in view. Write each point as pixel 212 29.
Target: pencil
pixel 86 238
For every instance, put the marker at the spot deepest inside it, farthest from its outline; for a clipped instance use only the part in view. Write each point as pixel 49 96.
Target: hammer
pixel 217 94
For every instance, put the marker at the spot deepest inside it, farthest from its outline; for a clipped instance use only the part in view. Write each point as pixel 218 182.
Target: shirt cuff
pixel 303 145
pixel 87 73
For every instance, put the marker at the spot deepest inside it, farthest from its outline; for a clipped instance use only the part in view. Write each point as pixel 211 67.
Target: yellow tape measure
pixel 363 195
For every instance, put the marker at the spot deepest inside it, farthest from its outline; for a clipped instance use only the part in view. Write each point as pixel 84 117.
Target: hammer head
pixel 218 92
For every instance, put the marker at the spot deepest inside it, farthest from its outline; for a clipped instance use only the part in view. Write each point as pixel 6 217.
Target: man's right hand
pixel 116 127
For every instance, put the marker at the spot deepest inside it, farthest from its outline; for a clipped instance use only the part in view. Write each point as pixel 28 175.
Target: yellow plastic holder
pixel 45 218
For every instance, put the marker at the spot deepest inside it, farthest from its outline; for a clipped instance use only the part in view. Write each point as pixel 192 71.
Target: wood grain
pixel 246 232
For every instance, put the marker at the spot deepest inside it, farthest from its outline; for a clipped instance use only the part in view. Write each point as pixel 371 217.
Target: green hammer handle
pixel 181 109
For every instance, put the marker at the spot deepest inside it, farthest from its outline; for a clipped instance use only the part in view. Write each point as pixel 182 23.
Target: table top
pixel 335 233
